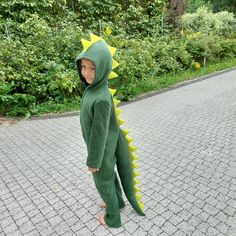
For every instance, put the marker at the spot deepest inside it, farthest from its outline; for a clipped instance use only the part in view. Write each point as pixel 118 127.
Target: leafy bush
pixel 147 59
pixel 211 47
pixel 40 40
pixel 20 10
pixel 205 21
pixel 41 64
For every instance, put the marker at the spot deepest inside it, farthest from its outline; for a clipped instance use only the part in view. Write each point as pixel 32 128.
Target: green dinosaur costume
pixel 107 144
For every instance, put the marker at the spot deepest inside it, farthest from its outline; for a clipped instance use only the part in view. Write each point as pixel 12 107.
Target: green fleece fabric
pixel 106 144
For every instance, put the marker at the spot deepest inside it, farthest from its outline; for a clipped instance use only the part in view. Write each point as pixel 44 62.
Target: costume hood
pixel 100 54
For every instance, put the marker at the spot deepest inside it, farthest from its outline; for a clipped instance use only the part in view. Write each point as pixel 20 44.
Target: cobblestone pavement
pixel 186 149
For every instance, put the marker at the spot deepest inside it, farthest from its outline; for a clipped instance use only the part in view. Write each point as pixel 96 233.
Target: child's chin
pixel 88 81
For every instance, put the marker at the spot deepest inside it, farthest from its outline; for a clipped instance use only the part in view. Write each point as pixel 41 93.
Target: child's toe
pixel 102 205
pixel 101 219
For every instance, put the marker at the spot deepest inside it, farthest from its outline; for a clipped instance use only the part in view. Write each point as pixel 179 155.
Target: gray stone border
pixel 141 97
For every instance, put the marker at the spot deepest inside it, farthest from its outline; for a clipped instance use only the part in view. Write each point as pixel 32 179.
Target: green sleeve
pixel 98 134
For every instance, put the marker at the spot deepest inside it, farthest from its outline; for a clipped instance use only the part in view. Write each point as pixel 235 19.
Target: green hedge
pixel 40 68
pixel 38 50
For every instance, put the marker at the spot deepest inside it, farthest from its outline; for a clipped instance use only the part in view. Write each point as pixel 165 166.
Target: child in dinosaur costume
pixel 107 144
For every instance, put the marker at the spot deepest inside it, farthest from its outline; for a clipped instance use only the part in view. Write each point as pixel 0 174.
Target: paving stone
pixel 80 212
pixel 179 233
pixel 6 222
pixel 221 216
pixel 93 224
pixel 232 232
pixel 14 233
pixel 187 228
pixel 146 224
pixel 210 209
pixel 222 227
pixel 62 228
pixel 169 228
pixel 187 206
pixel 230 210
pixel 37 218
pixel 159 209
pixel 33 233
pixel 174 207
pixel 203 227
pixel 195 210
pixel 175 220
pixel 204 216
pixel 27 227
pixel 125 233
pixel 195 221
pixel 77 226
pixel 198 233
pixel 212 231
pixel 221 205
pixel 10 229
pixel 185 215
pixel 167 214
pixel 131 227
pixel 158 221
pixel 55 220
pixel 212 221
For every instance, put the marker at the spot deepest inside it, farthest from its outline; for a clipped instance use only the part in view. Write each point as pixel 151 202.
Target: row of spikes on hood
pixel 86 44
pixel 93 39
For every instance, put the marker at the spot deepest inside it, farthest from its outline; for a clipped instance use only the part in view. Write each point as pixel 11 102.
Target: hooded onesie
pixel 106 142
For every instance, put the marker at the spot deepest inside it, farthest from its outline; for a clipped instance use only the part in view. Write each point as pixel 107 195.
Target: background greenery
pixel 39 41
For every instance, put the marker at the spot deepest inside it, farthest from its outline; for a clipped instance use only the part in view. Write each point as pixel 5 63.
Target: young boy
pixel 106 144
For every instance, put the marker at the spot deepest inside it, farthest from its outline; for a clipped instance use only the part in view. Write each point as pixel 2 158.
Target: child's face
pixel 88 70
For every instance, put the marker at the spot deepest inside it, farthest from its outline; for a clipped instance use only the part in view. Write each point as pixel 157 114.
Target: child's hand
pixel 93 170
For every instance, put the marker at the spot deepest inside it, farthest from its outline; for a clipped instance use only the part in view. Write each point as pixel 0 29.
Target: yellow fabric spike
pixel 141 205
pixel 120 121
pixel 112 50
pixel 135 165
pixel 136 189
pixel 94 38
pixel 114 64
pixel 86 44
pixel 136 174
pixel 138 196
pixel 112 75
pixel 126 131
pixel 129 139
pixel 134 157
pixel 117 111
pixel 116 102
pixel 132 148
pixel 112 91
pixel 136 181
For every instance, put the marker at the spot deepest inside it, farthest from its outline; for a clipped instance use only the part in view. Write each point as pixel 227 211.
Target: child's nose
pixel 85 72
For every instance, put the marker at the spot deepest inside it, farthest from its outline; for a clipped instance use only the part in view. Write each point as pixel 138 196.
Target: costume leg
pixel 107 189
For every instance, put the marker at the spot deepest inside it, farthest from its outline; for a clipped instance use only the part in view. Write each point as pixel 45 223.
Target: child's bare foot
pixel 102 205
pixel 101 219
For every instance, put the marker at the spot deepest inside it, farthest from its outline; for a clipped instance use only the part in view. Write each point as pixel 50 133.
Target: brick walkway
pixel 186 148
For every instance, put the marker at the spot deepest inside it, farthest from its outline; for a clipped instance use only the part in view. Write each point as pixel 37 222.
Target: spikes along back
pixel 86 44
